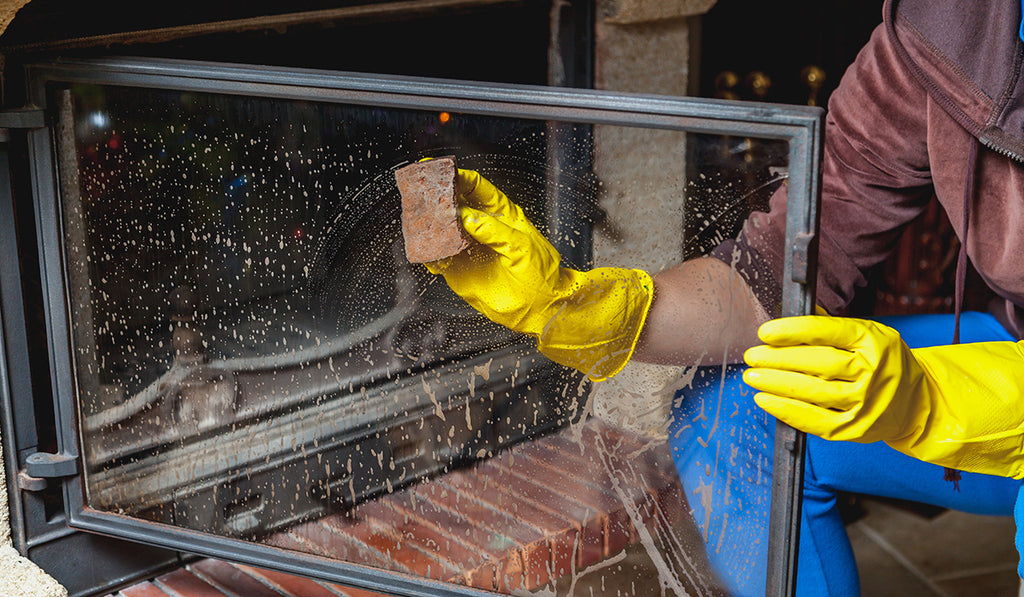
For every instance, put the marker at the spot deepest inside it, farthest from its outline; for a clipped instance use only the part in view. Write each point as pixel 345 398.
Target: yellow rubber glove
pixel 959 406
pixel 590 321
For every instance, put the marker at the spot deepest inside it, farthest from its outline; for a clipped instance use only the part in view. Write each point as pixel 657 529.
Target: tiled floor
pixel 903 553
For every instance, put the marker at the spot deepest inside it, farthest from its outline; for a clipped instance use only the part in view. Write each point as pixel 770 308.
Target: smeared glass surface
pixel 256 359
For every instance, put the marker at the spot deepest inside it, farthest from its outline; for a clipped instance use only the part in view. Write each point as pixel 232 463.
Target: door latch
pixel 804 252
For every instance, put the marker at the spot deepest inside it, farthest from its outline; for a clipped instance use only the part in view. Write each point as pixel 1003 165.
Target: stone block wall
pixel 642 46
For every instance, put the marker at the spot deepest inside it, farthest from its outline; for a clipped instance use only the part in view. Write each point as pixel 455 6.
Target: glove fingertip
pixel 778 407
pixel 769 403
pixel 751 376
pixel 803 329
pixel 473 220
pixel 477 191
pixel 754 356
pixel 763 379
pixel 769 330
pixel 466 181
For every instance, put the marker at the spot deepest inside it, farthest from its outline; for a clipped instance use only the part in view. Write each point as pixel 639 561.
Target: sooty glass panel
pixel 256 359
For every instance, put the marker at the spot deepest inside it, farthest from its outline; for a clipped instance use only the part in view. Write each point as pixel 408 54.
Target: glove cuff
pixel 973 416
pixel 596 329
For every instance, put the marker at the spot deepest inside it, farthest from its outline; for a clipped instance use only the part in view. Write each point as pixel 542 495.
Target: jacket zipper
pixel 1000 149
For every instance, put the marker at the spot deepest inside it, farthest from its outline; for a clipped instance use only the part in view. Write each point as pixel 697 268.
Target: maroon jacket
pixel 935 79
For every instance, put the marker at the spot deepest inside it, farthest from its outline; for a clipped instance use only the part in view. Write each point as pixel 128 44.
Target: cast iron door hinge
pixel 40 466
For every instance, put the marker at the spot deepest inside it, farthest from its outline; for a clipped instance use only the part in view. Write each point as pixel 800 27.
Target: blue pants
pixel 722 446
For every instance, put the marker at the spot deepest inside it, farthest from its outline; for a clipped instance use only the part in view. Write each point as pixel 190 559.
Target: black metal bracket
pixel 29 117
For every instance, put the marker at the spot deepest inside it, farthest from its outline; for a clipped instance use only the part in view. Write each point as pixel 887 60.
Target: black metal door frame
pixel 801 127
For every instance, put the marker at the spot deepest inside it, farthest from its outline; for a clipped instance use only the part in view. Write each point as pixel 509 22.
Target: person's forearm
pixel 703 313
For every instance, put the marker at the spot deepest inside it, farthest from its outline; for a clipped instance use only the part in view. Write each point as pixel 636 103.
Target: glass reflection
pixel 256 359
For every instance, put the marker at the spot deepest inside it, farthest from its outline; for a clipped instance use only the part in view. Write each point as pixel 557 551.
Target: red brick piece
pixel 430 223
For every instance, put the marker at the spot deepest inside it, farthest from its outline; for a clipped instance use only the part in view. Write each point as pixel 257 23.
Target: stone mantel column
pixel 643 46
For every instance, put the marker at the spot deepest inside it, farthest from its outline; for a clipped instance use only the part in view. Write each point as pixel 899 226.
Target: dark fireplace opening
pixel 459 40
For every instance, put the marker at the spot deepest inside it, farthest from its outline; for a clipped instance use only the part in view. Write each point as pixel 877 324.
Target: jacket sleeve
pixel 876 179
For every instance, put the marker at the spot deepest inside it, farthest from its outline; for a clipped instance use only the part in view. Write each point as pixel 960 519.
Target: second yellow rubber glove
pixel 590 321
pixel 959 406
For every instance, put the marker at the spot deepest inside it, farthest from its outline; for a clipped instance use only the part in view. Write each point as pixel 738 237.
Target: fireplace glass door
pixel 247 367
